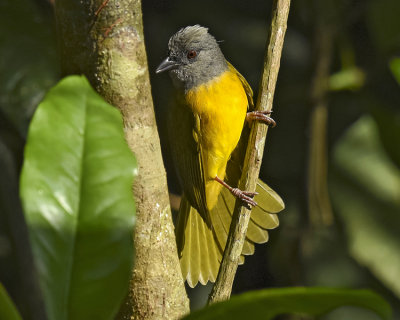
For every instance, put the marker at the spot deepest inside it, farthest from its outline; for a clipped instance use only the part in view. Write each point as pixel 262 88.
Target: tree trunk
pixel 104 40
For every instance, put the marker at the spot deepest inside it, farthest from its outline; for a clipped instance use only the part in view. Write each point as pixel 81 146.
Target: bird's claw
pixel 261 116
pixel 245 196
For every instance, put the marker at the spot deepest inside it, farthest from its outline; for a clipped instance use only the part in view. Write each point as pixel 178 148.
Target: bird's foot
pixel 245 196
pixel 261 116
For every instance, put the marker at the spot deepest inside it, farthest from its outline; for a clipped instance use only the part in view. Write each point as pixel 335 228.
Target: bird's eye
pixel 192 54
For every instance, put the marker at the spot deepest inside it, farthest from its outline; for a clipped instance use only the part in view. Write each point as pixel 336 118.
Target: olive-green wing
pixel 186 152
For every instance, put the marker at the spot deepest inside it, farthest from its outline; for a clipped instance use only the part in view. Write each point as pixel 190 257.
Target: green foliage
pixel 384 25
pixel 350 78
pixel 8 311
pixel 76 191
pixel 29 65
pixel 266 304
pixel 395 68
pixel 366 193
pixel 388 123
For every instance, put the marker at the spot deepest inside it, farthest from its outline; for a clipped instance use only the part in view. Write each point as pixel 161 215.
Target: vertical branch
pixel 254 153
pixel 319 205
pixel 104 40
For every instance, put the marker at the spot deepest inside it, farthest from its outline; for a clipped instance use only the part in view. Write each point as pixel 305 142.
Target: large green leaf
pixel 365 187
pixel 76 191
pixel 8 311
pixel 266 304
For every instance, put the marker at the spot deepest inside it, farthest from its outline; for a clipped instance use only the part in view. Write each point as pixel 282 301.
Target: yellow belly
pixel 221 106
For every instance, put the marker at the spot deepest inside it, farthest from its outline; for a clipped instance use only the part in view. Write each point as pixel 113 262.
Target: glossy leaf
pixel 8 311
pixel 266 304
pixel 76 191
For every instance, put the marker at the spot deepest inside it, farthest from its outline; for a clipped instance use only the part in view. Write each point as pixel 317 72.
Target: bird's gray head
pixel 194 57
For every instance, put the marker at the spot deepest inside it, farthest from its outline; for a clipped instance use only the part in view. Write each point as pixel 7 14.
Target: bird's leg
pixel 263 116
pixel 245 196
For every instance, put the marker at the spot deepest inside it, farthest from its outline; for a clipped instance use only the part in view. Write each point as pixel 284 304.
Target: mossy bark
pixel 104 40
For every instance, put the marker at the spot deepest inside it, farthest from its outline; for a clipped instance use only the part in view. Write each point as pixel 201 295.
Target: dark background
pixel 360 247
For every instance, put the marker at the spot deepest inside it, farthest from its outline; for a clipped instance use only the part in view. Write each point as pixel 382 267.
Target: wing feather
pixel 187 156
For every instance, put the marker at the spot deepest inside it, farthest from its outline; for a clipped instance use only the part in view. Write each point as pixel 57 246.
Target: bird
pixel 209 124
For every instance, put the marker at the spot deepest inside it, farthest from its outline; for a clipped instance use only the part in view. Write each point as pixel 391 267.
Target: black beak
pixel 166 65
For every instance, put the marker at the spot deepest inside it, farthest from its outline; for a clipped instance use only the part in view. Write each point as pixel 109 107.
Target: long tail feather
pixel 201 247
pixel 199 255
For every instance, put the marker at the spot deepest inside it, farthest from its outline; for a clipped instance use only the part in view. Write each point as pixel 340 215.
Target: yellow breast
pixel 221 106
